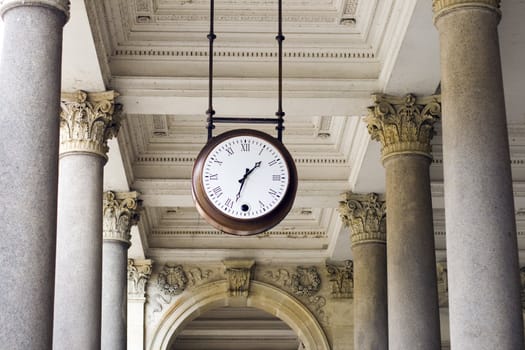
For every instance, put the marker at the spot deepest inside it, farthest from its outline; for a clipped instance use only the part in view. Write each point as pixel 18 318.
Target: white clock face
pixel 245 177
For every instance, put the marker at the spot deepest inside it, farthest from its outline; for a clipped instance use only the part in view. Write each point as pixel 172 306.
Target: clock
pixel 244 182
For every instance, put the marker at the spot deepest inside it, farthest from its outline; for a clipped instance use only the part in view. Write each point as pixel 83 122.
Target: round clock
pixel 244 182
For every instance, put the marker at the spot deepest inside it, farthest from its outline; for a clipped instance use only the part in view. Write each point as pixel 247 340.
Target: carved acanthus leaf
pixel 87 121
pixel 403 124
pixel 139 272
pixel 172 280
pixel 120 212
pixel 366 215
pixel 239 274
pixel 341 279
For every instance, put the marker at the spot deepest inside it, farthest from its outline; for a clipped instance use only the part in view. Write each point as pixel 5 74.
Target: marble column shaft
pixel 120 212
pixel 87 121
pixel 365 214
pixel 482 255
pixel 29 104
pixel 404 126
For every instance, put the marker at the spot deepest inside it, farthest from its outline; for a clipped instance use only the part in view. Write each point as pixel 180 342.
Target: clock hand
pixel 243 180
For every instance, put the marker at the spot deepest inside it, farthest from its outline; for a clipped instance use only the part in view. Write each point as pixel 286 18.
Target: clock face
pixel 245 177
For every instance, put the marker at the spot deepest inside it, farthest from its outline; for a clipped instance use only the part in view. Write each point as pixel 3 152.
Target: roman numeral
pixel 273 162
pixel 217 161
pixel 262 204
pixel 229 203
pixel 276 177
pixel 217 191
pixel 229 150
pixel 245 147
pixel 214 176
pixel 273 193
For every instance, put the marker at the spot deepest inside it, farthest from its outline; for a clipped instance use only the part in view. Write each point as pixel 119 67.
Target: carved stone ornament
pixel 442 6
pixel 239 274
pixel 139 272
pixel 404 124
pixel 341 279
pixel 366 215
pixel 306 281
pixel 522 278
pixel 61 5
pixel 120 212
pixel 172 280
pixel 442 283
pixel 87 121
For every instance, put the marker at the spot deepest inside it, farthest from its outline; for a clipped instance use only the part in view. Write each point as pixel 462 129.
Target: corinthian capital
pixel 403 124
pixel 441 7
pixel 121 211
pixel 61 5
pixel 366 215
pixel 87 121
pixel 139 272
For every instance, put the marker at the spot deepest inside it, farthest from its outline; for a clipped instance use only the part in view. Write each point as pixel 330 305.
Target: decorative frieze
pixel 61 5
pixel 120 212
pixel 341 279
pixel 442 283
pixel 239 274
pixel 403 124
pixel 366 215
pixel 87 121
pixel 139 272
pixel 444 5
pixel 172 280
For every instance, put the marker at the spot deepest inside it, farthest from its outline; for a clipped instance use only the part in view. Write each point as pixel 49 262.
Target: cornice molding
pixel 215 233
pixel 250 54
pixel 87 121
pixel 366 215
pixel 60 5
pixel 120 212
pixel 403 125
pixel 442 7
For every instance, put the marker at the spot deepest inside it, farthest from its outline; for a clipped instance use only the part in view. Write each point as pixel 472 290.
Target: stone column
pixel 404 126
pixel 120 212
pixel 482 251
pixel 139 272
pixel 366 215
pixel 86 122
pixel 29 104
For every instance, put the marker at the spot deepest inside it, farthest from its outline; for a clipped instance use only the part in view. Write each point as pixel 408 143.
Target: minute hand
pixel 243 180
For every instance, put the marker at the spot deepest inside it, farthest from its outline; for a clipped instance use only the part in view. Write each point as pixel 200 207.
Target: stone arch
pixel 262 296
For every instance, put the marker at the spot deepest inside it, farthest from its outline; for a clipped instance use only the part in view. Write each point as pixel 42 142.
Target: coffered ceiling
pixel 336 53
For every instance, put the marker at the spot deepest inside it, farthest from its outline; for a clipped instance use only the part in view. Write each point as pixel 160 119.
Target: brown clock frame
pixel 237 226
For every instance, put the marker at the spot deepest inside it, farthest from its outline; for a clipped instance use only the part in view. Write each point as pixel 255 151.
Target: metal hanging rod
pixel 211 120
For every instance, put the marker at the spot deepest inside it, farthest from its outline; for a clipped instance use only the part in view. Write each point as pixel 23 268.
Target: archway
pixel 262 296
